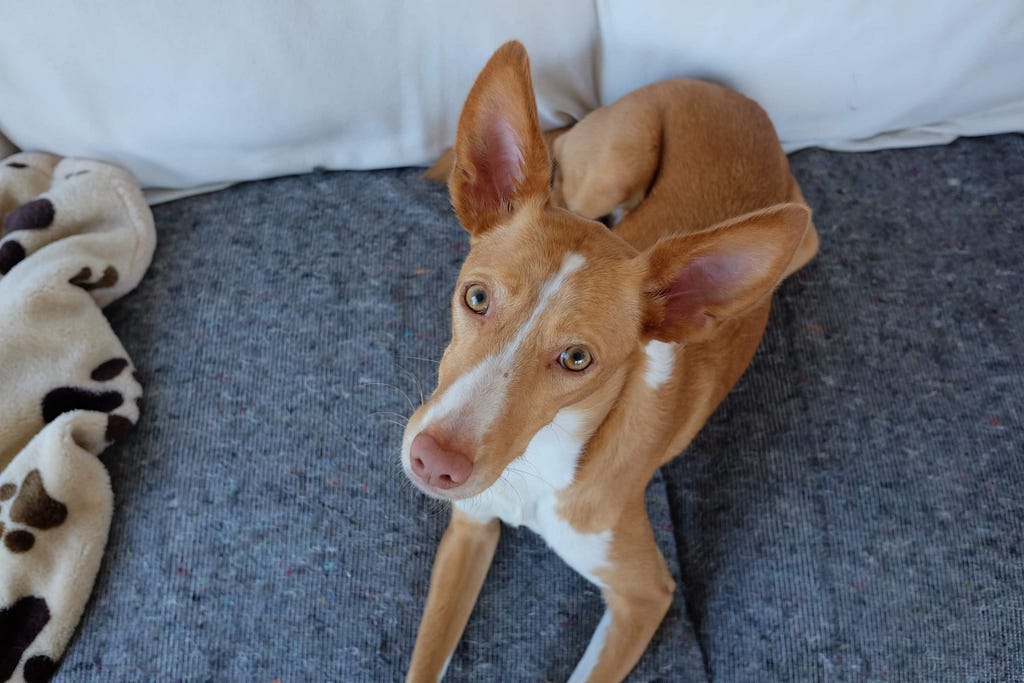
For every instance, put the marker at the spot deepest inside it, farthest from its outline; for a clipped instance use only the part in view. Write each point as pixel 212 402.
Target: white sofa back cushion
pixel 842 74
pixel 196 92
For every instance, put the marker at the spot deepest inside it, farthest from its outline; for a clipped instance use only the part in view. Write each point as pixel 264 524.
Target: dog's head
pixel 551 310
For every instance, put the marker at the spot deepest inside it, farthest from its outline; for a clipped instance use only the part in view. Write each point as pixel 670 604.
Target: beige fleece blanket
pixel 76 236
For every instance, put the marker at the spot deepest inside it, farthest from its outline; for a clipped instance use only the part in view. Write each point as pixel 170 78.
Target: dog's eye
pixel 477 299
pixel 575 358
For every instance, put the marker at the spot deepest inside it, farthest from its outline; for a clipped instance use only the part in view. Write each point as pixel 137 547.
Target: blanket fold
pixel 77 235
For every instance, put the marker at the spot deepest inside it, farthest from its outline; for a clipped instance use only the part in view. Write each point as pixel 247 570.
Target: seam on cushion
pixel 689 608
pixel 667 531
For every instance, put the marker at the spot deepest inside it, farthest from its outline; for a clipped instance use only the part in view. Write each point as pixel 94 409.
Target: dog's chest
pixel 526 494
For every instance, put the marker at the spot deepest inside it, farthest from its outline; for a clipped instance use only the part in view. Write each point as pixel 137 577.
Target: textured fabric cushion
pixel 852 512
pixel 199 92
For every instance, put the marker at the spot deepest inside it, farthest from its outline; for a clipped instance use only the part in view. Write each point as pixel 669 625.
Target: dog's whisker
pixel 535 475
pixel 412 405
pixel 511 487
pixel 415 380
pixel 361 451
pixel 422 358
pixel 402 418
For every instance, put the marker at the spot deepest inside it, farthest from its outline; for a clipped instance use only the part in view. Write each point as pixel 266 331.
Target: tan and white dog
pixel 582 358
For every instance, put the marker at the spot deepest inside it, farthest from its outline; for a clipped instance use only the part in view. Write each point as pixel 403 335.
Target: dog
pixel 582 359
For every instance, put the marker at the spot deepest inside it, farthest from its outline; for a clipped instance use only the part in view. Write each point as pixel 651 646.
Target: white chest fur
pixel 527 494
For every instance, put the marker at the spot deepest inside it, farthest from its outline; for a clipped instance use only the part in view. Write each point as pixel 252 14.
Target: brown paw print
pixel 35 215
pixel 85 280
pixel 30 506
pixel 65 399
pixel 11 254
pixel 20 623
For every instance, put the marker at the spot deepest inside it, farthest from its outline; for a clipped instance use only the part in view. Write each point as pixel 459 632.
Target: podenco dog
pixel 582 359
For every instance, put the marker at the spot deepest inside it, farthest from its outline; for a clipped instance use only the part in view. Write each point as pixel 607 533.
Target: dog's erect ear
pixel 501 161
pixel 441 170
pixel 697 280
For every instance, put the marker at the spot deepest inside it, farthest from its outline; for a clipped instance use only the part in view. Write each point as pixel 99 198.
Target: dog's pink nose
pixel 437 466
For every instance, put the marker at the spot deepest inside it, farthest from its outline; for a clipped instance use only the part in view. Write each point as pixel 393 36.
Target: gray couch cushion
pixel 852 512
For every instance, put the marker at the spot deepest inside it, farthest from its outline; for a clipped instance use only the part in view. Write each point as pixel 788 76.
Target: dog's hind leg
pixel 604 165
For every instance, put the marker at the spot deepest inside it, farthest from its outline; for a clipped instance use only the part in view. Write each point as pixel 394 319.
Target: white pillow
pixel 848 75
pixel 196 92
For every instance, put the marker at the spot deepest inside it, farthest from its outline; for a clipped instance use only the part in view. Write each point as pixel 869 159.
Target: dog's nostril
pixel 436 465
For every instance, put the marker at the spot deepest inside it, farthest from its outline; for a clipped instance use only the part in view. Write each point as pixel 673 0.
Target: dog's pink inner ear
pixel 499 165
pixel 501 161
pixel 714 284
pixel 708 281
pixel 698 278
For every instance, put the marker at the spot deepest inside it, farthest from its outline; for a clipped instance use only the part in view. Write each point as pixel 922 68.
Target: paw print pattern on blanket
pixel 30 506
pixel 38 222
pixel 26 510
pixel 34 215
pixel 65 399
pixel 84 279
pixel 11 254
pixel 75 235
pixel 19 625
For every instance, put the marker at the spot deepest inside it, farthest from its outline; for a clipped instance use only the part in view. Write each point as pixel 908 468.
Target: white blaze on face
pixel 478 396
pixel 570 264
pixel 475 388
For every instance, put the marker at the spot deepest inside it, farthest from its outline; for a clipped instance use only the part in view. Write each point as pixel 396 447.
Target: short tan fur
pixel 594 355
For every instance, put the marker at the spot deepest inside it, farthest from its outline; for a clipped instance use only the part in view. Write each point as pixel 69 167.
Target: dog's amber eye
pixel 477 298
pixel 575 358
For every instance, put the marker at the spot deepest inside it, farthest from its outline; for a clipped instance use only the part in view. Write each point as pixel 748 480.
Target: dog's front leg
pixel 638 591
pixel 461 563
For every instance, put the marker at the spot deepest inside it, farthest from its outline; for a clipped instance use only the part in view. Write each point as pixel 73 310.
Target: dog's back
pixel 673 157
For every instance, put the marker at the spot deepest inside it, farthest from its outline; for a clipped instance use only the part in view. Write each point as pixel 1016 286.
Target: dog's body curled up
pixel 582 358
